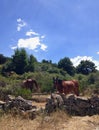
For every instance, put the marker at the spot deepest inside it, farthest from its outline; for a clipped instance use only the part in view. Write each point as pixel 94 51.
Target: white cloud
pixel 30 33
pixel 31 43
pixel 13 47
pixel 19 20
pixel 21 24
pixel 43 36
pixel 43 47
pixel 78 59
pixel 98 52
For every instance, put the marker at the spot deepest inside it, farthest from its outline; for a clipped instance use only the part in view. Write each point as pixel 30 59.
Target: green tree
pixel 66 65
pixel 31 63
pixel 3 59
pixel 7 67
pixel 86 67
pixel 20 61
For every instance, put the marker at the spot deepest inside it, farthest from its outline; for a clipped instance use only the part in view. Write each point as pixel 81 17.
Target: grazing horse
pixel 66 87
pixel 29 84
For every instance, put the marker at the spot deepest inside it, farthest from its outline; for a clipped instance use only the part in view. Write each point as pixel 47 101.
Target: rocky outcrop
pixel 19 105
pixel 73 105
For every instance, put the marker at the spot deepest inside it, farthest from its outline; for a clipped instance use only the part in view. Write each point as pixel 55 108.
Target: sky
pixel 51 29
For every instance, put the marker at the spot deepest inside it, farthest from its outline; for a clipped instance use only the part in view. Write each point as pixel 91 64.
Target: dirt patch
pixel 39 100
pixel 83 123
pixel 40 97
pixel 39 104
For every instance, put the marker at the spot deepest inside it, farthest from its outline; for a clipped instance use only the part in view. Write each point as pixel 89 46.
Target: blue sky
pixel 51 29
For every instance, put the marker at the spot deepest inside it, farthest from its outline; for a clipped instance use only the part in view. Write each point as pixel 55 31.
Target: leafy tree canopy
pixel 66 65
pixel 20 62
pixel 3 59
pixel 86 67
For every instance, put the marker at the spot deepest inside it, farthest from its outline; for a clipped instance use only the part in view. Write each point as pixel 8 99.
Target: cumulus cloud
pixel 30 33
pixel 21 23
pixel 31 43
pixel 34 40
pixel 78 59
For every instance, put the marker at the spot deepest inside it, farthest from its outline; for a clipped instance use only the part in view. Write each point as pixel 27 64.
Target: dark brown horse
pixel 29 84
pixel 66 87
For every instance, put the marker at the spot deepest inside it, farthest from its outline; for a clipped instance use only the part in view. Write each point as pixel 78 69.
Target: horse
pixel 29 84
pixel 66 87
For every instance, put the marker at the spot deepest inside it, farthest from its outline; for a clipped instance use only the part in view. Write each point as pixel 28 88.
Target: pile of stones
pixel 19 105
pixel 73 105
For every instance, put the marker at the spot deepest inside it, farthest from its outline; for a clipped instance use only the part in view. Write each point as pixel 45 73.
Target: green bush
pixel 25 93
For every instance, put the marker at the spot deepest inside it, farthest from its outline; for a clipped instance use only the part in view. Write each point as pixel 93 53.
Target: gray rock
pixel 19 103
pixel 73 105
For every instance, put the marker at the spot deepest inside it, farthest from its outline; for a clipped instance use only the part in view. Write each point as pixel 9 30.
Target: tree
pixel 31 63
pixel 7 67
pixel 20 61
pixel 47 61
pixel 86 67
pixel 66 65
pixel 3 59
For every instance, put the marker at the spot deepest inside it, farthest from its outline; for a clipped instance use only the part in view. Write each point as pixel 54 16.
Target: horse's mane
pixel 60 81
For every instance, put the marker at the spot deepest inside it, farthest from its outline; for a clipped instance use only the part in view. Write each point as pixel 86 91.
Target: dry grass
pixel 9 122
pixel 56 121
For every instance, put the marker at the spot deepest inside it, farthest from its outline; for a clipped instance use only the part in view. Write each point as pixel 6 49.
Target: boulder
pixel 19 103
pixel 73 105
pixel 2 104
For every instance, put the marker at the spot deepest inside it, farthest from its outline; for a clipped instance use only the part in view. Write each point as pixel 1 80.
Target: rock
pixel 2 104
pixel 57 98
pixel 73 105
pixel 9 98
pixel 30 114
pixel 19 103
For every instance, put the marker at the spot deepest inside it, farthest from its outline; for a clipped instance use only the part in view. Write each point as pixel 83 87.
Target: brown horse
pixel 66 87
pixel 29 84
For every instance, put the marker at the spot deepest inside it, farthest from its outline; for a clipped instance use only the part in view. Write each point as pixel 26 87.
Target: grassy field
pixel 56 121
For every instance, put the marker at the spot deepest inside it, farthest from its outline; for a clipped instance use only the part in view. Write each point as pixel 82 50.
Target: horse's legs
pixel 76 90
pixel 65 90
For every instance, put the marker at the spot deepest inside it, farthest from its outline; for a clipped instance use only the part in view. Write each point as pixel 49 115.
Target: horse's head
pixel 54 82
pixel 57 84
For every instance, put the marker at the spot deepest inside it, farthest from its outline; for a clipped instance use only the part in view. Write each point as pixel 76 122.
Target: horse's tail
pixel 36 84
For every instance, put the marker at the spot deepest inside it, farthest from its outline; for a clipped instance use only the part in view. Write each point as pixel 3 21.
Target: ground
pixel 56 121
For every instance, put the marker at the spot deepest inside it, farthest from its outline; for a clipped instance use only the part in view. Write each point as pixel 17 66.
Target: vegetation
pixel 66 65
pixel 21 66
pixel 86 67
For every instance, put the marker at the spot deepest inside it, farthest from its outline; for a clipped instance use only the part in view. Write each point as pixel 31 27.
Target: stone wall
pixel 73 105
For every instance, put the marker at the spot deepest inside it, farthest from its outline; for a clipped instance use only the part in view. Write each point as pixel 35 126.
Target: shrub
pixel 25 93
